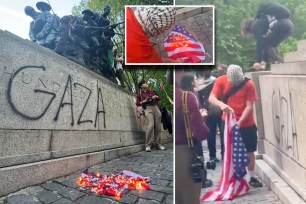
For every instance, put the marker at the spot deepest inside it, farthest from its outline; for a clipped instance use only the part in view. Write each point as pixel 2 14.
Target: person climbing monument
pixel 270 27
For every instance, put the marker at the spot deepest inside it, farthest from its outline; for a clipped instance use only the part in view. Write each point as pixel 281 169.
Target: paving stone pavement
pixel 256 195
pixel 158 165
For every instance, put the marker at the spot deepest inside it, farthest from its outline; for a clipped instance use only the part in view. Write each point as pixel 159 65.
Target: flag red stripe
pixel 184 54
pixel 229 187
pixel 232 180
pixel 243 184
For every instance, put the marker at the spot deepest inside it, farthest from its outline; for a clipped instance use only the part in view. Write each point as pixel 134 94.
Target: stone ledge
pixel 297 56
pixel 21 176
pixel 293 68
pixel 301 45
pixel 285 193
pixel 28 146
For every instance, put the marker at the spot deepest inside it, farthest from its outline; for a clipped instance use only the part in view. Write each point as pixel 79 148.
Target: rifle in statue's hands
pixel 103 29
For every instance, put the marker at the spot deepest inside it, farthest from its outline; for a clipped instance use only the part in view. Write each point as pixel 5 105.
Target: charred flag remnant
pixel 114 184
pixel 66 98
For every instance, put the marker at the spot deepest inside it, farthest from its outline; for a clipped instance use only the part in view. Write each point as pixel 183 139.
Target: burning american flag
pixel 232 182
pixel 180 44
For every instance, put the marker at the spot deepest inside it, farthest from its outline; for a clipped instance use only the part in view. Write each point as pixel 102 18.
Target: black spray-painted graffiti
pixel 68 91
pixel 283 112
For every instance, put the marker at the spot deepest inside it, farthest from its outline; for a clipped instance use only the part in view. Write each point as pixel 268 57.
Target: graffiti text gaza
pixel 67 93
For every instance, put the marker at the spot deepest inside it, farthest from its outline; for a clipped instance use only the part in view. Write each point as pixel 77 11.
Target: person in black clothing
pixel 270 27
pixel 214 113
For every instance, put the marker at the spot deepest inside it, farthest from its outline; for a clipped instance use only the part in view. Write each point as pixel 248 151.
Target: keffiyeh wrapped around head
pixel 155 20
pixel 235 74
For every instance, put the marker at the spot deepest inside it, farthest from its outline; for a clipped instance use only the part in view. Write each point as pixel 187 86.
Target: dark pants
pixel 186 189
pixel 280 31
pixel 213 122
pixel 199 150
pixel 120 75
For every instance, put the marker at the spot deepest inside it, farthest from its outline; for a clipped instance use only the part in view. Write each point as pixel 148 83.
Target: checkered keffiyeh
pixel 234 73
pixel 155 20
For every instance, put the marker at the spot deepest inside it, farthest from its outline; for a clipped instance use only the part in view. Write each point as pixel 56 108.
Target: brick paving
pixel 256 195
pixel 158 165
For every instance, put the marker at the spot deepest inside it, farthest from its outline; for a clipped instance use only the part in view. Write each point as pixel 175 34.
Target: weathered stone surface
pixel 160 182
pixel 22 199
pixel 166 177
pixel 296 56
pixel 283 99
pixel 23 146
pixel 63 201
pixel 145 201
pixel 162 189
pixel 51 186
pixel 258 108
pixel 88 199
pixel 48 196
pixel 151 195
pixel 290 68
pixel 276 183
pixel 72 194
pixel 33 190
pixel 301 45
pixel 159 162
pixel 169 199
pixel 128 199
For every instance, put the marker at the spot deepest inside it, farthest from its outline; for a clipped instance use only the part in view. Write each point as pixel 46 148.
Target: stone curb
pixel 284 192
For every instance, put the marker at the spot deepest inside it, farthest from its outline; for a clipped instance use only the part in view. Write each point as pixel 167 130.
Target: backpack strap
pixel 234 90
pixel 186 119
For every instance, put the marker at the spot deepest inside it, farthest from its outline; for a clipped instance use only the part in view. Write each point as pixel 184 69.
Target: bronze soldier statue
pixel 36 25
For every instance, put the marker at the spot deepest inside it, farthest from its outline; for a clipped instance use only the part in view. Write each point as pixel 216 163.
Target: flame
pixel 179 41
pixel 112 185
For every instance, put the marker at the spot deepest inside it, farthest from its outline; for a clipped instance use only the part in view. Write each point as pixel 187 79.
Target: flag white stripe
pixel 228 188
pixel 186 49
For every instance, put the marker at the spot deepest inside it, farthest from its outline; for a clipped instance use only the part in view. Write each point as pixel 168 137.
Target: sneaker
pixel 207 183
pixel 254 182
pixel 215 159
pixel 148 149
pixel 161 147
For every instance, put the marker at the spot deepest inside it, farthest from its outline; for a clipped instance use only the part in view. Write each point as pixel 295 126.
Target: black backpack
pixel 212 110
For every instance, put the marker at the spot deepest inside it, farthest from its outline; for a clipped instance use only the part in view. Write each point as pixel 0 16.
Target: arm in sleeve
pixel 138 100
pixel 154 93
pixel 217 89
pixel 197 125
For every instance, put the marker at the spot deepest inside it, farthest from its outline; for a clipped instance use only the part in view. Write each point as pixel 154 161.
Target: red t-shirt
pixel 139 49
pixel 237 101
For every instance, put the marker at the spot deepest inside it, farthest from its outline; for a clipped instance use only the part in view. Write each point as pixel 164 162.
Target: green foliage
pixel 230 47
